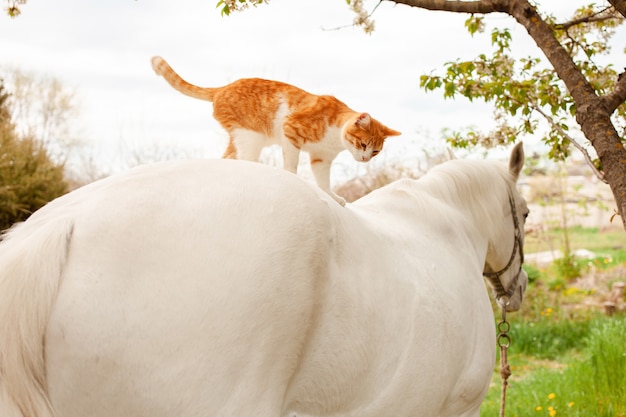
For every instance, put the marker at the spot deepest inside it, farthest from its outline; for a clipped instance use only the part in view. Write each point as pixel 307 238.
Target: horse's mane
pixel 484 186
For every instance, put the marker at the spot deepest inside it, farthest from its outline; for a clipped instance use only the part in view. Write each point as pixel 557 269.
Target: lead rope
pixel 504 341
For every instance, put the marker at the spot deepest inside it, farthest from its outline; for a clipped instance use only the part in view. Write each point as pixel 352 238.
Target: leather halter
pixel 494 277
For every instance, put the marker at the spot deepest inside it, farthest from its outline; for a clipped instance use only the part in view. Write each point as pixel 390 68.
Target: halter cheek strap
pixel 494 277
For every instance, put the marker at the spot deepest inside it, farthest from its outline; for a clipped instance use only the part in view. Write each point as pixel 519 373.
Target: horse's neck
pixel 407 204
pixel 440 213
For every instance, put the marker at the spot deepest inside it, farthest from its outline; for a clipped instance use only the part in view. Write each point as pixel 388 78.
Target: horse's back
pixel 226 288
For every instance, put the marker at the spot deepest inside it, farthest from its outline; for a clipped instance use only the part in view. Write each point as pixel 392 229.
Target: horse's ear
pixel 516 162
pixel 449 154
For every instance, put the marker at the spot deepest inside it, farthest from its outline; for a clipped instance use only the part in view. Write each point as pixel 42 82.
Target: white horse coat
pixel 229 288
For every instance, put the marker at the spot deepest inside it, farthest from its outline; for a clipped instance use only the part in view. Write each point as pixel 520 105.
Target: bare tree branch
pixel 600 16
pixel 620 6
pixel 362 19
pixel 577 145
pixel 477 6
pixel 563 133
pixel 618 96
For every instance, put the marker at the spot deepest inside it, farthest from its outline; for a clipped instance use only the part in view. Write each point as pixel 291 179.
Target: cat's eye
pixel 375 152
pixel 363 146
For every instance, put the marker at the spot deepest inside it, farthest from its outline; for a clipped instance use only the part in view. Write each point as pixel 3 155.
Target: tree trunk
pixel 593 113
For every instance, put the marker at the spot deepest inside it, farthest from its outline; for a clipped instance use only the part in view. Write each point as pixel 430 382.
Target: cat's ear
pixel 363 121
pixel 391 132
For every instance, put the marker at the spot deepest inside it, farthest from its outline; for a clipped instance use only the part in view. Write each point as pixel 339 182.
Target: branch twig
pixel 620 6
pixel 577 145
pixel 599 16
pixel 363 21
pixel 618 96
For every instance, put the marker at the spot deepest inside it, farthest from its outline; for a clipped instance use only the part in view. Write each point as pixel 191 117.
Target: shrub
pixel 28 178
pixel 568 267
pixel 532 272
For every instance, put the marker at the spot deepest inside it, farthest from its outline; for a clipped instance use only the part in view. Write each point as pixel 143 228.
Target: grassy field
pixel 609 242
pixel 564 367
pixel 567 358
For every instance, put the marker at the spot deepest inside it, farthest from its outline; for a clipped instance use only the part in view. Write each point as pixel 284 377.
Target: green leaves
pixel 229 6
pixel 28 178
pixel 13 8
pixel 502 39
pixel 527 94
pixel 475 24
pixel 430 83
pixel 225 7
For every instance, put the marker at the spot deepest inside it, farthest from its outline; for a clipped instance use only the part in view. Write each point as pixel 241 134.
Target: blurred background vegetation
pixel 29 178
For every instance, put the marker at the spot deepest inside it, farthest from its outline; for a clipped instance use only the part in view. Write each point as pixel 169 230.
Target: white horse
pixel 229 288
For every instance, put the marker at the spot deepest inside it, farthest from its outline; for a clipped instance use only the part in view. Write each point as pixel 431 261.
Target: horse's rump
pixel 32 256
pixel 213 280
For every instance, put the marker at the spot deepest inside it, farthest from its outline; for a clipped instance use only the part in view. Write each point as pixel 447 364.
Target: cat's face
pixel 364 137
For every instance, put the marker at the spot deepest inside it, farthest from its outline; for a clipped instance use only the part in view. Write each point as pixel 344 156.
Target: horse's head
pixel 505 255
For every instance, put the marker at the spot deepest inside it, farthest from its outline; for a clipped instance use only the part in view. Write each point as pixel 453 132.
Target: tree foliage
pixel 570 86
pixel 525 92
pixel 44 109
pixel 13 7
pixel 229 6
pixel 5 114
pixel 28 177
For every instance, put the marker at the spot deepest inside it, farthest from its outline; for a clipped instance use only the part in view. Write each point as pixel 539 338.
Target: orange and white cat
pixel 257 113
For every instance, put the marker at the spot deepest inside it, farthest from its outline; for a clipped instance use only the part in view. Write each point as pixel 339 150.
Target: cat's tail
pixel 162 68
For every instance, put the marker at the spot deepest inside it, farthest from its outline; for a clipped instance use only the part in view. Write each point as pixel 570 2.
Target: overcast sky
pixel 102 50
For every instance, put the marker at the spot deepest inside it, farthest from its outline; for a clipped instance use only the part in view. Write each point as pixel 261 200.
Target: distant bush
pixel 28 177
pixel 568 267
pixel 532 272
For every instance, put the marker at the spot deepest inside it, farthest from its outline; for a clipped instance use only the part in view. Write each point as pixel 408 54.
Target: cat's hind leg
pixel 248 144
pixel 291 156
pixel 231 151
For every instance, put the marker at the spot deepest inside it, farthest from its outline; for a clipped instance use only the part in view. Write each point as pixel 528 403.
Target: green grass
pixel 606 348
pixel 590 383
pixel 547 338
pixel 566 360
pixel 608 245
pixel 609 242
